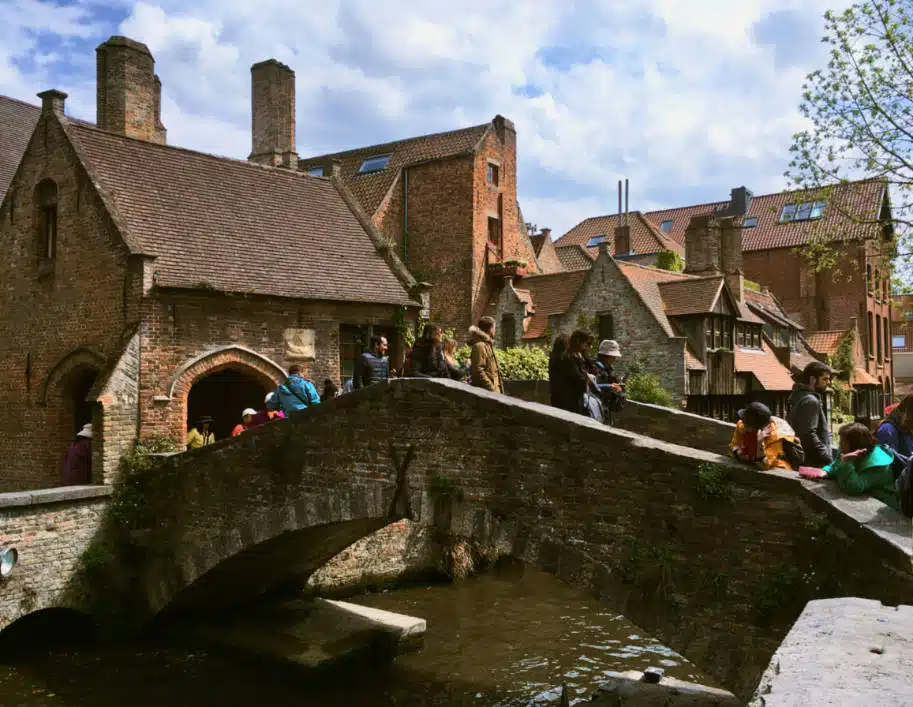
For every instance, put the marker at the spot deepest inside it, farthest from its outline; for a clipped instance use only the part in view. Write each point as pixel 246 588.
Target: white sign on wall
pixel 299 343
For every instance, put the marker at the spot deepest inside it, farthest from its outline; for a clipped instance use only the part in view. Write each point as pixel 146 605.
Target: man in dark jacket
pixel 373 366
pixel 806 415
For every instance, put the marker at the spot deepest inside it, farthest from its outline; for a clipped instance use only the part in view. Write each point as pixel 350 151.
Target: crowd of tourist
pixel 877 461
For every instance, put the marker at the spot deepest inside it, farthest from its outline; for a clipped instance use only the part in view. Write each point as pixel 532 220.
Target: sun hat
pixel 86 431
pixel 609 347
pixel 248 411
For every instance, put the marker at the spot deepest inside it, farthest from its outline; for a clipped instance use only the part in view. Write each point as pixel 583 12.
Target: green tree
pixel 669 260
pixel 860 107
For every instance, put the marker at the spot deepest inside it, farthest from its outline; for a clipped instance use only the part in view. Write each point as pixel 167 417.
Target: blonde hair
pixel 449 347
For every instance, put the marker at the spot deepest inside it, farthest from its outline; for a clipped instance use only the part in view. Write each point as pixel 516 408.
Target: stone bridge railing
pixel 713 558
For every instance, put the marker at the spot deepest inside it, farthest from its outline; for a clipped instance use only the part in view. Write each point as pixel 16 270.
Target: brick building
pixel 713 343
pixel 146 285
pixel 854 294
pixel 448 202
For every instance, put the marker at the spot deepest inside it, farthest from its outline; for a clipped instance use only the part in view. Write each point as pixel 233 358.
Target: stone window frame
pixel 46 199
pixel 493 174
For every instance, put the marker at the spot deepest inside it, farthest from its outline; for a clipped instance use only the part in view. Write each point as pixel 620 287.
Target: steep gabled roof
pixel 233 226
pixel 17 123
pixel 764 366
pixel 371 188
pixel 645 236
pixel 861 200
pixel 690 296
pixel 646 281
pixel 574 257
pixel 824 342
pixel 551 294
pixel 768 307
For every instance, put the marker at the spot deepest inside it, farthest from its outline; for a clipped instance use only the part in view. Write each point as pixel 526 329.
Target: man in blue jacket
pixel 373 366
pixel 297 393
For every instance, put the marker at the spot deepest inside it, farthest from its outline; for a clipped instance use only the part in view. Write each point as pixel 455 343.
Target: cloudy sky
pixel 686 98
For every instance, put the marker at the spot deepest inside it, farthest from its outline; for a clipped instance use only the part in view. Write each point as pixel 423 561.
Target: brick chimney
pixel 505 129
pixel 730 230
pixel 272 100
pixel 622 240
pixel 128 93
pixel 547 232
pixel 702 246
pixel 52 101
pixel 740 201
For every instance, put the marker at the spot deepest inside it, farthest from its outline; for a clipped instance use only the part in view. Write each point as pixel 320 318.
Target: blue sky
pixel 686 98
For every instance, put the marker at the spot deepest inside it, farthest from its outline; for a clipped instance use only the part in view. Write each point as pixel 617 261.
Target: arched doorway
pixel 222 395
pixel 76 390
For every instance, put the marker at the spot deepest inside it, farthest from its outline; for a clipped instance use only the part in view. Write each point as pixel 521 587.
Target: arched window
pixel 46 204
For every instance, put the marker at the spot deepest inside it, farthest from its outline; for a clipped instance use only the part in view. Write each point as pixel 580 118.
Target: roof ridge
pixel 391 143
pixel 208 155
pixel 553 274
pixel 20 101
pixel 683 275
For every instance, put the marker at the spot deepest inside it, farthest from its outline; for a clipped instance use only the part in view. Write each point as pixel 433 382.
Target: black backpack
pixel 793 452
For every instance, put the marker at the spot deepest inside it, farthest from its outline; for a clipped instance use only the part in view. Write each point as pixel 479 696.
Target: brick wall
pixel 63 317
pixel 244 332
pixel 636 329
pixel 50 530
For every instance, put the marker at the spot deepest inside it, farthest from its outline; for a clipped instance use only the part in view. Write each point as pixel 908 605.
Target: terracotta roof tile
pixel 690 296
pixel 574 257
pixel 551 294
pixel 863 377
pixel 645 236
pixel 370 188
pixel 765 366
pixel 848 205
pixel 646 282
pixel 768 307
pixel 824 342
pixel 692 362
pixel 234 226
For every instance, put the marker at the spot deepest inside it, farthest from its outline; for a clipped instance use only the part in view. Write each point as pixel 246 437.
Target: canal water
pixel 508 637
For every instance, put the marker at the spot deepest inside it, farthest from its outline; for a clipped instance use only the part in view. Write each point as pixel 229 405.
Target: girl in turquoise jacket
pixel 864 466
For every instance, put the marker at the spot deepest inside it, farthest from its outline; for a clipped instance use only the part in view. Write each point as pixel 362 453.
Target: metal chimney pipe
pixel 619 202
pixel 626 202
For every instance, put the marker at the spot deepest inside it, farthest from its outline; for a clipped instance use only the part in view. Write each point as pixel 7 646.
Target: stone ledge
pixel 59 494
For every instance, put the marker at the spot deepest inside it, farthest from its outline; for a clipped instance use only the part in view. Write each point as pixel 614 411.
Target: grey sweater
pixel 807 419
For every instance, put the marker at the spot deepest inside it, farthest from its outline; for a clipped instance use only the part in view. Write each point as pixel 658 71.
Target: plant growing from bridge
pixel 130 500
pixel 779 592
pixel 713 482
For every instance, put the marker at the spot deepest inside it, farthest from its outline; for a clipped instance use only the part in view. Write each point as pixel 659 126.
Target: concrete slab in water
pixel 315 633
pixel 628 689
pixel 849 652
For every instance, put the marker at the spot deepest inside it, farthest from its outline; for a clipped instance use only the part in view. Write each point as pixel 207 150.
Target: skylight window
pixel 666 225
pixel 595 241
pixel 750 222
pixel 805 211
pixel 316 171
pixel 374 164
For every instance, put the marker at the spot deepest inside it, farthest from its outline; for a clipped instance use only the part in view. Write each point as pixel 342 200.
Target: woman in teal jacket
pixel 864 466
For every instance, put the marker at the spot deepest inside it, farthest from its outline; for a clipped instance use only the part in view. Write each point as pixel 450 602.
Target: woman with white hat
pixel 77 465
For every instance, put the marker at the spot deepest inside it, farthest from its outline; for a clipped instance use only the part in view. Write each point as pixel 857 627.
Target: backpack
pixel 793 452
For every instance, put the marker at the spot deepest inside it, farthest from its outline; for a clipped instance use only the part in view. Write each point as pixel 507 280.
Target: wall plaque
pixel 299 343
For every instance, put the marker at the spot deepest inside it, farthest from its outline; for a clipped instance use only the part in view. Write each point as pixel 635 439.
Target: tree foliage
pixel 519 363
pixel 669 260
pixel 860 107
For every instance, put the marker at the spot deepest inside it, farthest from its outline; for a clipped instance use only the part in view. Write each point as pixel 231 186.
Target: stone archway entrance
pixel 76 390
pixel 223 394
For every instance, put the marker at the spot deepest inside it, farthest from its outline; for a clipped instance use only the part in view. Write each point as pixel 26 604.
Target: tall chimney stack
pixel 702 246
pixel 272 100
pixel 731 255
pixel 128 93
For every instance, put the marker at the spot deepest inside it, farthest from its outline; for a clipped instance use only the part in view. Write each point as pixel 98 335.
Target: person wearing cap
pixel 77 464
pixel 806 416
pixel 763 439
pixel 247 417
pixel 263 416
pixel 200 434
pixel 608 353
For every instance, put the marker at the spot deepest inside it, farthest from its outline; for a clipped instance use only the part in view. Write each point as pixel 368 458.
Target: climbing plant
pixel 669 260
pixel 843 360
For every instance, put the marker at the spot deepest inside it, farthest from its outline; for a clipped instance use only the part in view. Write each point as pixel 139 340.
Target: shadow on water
pixel 509 637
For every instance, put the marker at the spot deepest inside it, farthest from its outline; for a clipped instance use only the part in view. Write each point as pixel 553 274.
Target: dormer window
pixel 805 211
pixel 750 222
pixel 316 171
pixel 666 225
pixel 374 164
pixel 595 241
pixel 46 204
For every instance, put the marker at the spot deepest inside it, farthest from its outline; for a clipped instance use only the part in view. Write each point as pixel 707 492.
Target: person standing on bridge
pixel 372 366
pixel 297 393
pixel 77 464
pixel 806 415
pixel 485 372
pixel 247 419
pixel 572 379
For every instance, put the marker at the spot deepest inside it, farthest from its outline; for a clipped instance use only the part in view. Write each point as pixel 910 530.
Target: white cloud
pixel 674 94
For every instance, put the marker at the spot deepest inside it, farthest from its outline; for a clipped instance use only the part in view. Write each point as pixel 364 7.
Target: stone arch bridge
pixel 714 559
